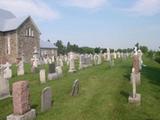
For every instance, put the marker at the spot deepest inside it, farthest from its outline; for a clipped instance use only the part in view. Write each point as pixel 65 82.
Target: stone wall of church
pixel 8 46
pixel 28 38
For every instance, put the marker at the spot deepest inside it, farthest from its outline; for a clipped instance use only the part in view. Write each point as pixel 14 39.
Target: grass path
pixel 103 94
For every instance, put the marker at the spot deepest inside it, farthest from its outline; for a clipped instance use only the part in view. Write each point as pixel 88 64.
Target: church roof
pixel 48 45
pixel 11 24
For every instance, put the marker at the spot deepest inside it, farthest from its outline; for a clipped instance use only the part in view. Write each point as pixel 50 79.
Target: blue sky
pixel 94 23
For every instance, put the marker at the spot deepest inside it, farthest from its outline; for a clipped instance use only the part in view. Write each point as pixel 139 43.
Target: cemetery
pixel 97 91
pixel 79 65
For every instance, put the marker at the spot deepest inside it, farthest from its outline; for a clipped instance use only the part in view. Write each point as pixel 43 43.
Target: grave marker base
pixel 136 100
pixel 30 115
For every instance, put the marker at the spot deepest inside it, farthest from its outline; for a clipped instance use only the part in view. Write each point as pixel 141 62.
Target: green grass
pixel 103 94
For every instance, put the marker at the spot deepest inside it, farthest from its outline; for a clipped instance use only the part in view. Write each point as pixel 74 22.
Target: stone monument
pixel 135 97
pixel 4 85
pixel 21 104
pixel 46 99
pixel 75 88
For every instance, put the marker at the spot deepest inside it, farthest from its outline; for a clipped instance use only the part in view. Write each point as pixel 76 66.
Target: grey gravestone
pixel 52 68
pixel 75 88
pixel 46 99
pixel 4 85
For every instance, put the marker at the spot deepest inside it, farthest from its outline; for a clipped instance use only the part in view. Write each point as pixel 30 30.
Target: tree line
pixel 62 49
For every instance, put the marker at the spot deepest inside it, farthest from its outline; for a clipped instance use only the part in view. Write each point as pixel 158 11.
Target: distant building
pixel 47 49
pixel 18 37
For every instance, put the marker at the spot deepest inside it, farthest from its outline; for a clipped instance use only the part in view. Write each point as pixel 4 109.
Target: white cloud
pixel 35 8
pixel 91 4
pixel 146 7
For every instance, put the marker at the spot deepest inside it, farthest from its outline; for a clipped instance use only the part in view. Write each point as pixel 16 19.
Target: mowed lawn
pixel 103 94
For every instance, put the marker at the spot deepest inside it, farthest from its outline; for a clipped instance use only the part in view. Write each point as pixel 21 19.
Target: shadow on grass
pixel 124 94
pixel 34 106
pixel 153 74
pixel 127 76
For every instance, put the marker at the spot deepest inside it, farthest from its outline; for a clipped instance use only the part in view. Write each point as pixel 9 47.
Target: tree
pixel 68 47
pixel 97 50
pixel 144 49
pixel 61 47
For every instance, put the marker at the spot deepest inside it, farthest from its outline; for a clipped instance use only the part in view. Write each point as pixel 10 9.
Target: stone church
pixel 18 37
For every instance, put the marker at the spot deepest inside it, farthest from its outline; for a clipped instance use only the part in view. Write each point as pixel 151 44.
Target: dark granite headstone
pixel 52 68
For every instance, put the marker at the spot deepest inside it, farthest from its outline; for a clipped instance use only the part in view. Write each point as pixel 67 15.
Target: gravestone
pixel 46 99
pixel 20 67
pixel 71 62
pixel 95 59
pixel 99 60
pixel 59 70
pixel 75 88
pixel 72 66
pixel 108 54
pixel 53 59
pixel 61 62
pixel 52 75
pixel 7 71
pixel 81 61
pixel 35 60
pixel 52 68
pixel 21 104
pixel 140 59
pixel 42 75
pixel 135 97
pixel 4 85
pixel 137 77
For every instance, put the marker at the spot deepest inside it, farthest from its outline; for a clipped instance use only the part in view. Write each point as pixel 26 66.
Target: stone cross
pixel 7 71
pixel 136 68
pixel 135 97
pixel 75 88
pixel 140 59
pixel 46 99
pixel 35 59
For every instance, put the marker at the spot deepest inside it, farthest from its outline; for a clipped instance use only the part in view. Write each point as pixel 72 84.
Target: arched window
pixel 30 32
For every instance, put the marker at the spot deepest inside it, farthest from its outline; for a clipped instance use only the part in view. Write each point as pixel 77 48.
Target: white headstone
pixel 7 71
pixel 42 76
pixel 20 69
